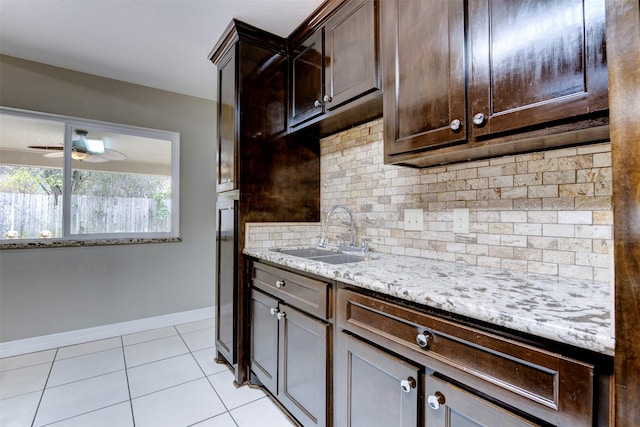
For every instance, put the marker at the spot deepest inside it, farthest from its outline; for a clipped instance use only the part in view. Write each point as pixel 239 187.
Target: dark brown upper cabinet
pixel 306 79
pixel 534 62
pixel 529 75
pixel 424 74
pixel 335 66
pixel 226 153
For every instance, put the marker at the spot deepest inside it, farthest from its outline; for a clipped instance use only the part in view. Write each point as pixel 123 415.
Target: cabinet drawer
pixel 546 385
pixel 309 295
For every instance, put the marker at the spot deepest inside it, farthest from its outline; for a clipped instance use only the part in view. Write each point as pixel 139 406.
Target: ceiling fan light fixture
pixel 79 155
pixel 94 146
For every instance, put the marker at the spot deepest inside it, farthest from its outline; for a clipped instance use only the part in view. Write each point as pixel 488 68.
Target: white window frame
pixel 71 123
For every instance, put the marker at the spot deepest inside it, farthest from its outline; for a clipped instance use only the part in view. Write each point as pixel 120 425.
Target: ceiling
pixel 158 43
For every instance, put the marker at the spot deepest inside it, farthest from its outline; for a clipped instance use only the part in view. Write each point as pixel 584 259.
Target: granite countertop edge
pixel 571 311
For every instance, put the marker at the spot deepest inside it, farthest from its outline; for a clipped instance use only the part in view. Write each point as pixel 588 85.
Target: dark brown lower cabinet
pixel 378 389
pixel 373 387
pixel 264 340
pixel 289 353
pixel 450 406
pixel 397 365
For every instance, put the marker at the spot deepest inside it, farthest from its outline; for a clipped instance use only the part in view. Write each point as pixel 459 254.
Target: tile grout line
pixel 126 374
pixel 35 414
pixel 206 378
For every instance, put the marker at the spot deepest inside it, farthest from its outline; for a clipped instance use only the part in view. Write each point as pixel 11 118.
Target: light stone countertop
pixel 571 311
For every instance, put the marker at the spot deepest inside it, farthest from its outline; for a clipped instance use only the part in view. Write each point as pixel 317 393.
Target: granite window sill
pixel 39 244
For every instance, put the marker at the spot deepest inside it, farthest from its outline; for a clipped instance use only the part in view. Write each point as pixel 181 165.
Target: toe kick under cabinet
pixel 291 341
pixel 399 366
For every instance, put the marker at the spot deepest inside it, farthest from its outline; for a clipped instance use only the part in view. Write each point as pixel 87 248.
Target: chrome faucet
pixel 352 238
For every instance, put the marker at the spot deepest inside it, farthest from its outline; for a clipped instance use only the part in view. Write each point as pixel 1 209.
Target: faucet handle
pixel 364 244
pixel 340 240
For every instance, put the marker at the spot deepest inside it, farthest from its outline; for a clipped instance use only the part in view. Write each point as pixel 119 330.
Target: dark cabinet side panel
pixel 227 253
pixel 226 161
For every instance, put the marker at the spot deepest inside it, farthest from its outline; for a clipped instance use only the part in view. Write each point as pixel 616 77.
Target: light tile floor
pixel 159 378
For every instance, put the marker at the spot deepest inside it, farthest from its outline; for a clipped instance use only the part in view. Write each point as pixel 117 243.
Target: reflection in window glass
pixel 119 183
pixel 65 178
pixel 31 178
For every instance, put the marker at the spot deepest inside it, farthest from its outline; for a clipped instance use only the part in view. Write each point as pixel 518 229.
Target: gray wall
pixel 45 291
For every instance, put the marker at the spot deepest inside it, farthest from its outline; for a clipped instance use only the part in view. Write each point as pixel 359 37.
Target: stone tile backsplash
pixel 548 212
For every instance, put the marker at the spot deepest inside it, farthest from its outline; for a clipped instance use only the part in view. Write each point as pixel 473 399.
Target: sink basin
pixel 307 252
pixel 323 255
pixel 339 258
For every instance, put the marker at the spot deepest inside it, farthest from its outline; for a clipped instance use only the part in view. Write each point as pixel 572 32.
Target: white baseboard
pixel 46 342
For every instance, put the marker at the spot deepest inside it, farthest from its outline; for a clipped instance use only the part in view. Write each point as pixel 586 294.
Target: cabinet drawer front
pixel 308 295
pixel 547 385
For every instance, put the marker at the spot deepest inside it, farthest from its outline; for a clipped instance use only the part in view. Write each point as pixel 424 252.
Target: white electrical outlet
pixel 414 219
pixel 461 221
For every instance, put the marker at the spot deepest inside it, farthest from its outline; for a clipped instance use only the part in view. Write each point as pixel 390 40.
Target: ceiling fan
pixel 84 149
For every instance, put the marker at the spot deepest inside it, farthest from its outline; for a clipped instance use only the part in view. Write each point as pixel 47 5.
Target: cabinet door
pixel 369 387
pixel 264 339
pixel 424 74
pixel 226 274
pixel 306 79
pixel 302 387
pixel 450 406
pixel 227 148
pixel 535 61
pixel 351 62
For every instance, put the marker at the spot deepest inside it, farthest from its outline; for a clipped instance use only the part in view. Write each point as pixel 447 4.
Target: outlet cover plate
pixel 461 221
pixel 414 219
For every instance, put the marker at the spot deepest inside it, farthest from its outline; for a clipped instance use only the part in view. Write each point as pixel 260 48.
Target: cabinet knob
pixel 408 384
pixel 279 283
pixel 327 98
pixel 435 400
pixel 478 119
pixel 455 125
pixel 317 104
pixel 281 315
pixel 424 339
pixel 273 310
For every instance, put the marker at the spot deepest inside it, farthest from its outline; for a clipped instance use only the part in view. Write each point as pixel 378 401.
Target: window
pixel 70 179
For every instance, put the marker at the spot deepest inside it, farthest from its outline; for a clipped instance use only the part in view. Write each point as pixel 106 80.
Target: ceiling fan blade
pixel 95 159
pixel 47 147
pixel 55 154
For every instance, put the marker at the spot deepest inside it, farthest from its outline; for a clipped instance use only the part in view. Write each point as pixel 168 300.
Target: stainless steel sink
pixel 307 252
pixel 339 258
pixel 323 255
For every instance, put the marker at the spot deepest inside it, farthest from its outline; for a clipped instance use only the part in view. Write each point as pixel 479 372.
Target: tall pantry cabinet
pixel 263 174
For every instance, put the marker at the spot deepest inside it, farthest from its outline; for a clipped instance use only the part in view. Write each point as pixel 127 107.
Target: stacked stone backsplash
pixel 548 212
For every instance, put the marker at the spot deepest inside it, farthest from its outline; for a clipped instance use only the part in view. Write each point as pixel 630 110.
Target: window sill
pixel 38 244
